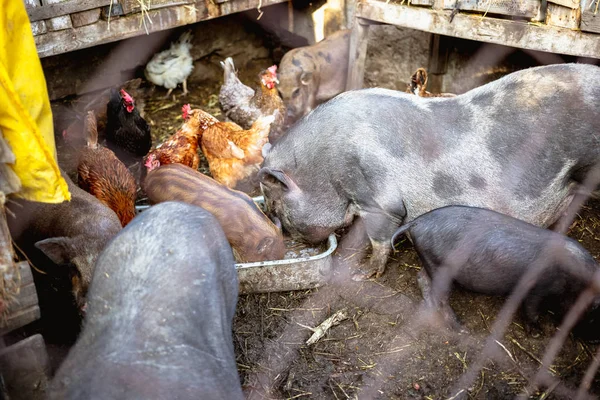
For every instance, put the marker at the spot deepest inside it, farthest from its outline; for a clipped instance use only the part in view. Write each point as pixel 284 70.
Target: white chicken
pixel 173 66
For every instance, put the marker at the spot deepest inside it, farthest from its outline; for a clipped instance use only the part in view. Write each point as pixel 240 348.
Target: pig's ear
pixel 306 77
pixel 264 245
pixel 273 178
pixel 277 222
pixel 57 249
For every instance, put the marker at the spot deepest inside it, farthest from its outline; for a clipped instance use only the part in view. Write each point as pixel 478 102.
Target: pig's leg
pixel 424 282
pixel 354 245
pixel 531 312
pixel 437 301
pixel 380 229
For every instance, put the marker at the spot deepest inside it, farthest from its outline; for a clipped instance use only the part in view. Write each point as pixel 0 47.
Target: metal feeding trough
pixel 284 275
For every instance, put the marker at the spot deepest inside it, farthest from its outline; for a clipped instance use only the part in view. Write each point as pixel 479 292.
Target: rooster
pixel 182 146
pixel 75 134
pixel 104 176
pixel 244 105
pixel 418 85
pixel 172 66
pixel 127 133
pixel 234 154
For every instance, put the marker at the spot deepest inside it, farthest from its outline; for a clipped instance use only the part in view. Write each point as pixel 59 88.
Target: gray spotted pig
pixel 520 145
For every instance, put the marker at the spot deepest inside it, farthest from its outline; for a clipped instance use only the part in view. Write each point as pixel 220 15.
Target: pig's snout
pixel 312 235
pixel 83 309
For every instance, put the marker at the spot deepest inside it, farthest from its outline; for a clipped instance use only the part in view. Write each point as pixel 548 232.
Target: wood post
pixel 357 54
pixel 438 62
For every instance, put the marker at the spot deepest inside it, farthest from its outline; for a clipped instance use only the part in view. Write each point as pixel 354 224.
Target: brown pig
pixel 311 75
pixel 251 234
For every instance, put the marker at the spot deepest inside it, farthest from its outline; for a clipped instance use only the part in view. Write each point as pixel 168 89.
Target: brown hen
pixel 182 146
pixel 418 85
pixel 234 154
pixel 104 176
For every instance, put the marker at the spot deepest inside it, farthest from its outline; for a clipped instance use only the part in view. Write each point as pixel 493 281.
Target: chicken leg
pixel 185 91
pixel 168 93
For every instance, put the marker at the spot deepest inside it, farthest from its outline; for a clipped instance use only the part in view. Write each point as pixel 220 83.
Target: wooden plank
pixel 491 30
pixel 20 319
pixel 563 16
pixel 38 27
pixel 133 6
pixel 520 8
pixel 85 17
pixel 129 26
pixel 116 10
pixel 64 8
pixel 58 23
pixel 27 298
pixel 359 39
pixel 590 20
pixel 22 309
pixel 438 62
pixel 428 3
pixel 566 3
pixel 120 28
pixel 25 368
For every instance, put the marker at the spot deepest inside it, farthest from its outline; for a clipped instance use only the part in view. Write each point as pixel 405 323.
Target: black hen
pixel 127 133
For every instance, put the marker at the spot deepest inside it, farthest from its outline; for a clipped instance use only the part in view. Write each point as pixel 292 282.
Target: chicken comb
pixel 149 160
pixel 272 70
pixel 126 96
pixel 186 109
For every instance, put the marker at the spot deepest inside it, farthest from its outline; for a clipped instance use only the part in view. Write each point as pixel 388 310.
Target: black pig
pixel 63 241
pixel 160 311
pixel 519 145
pixel 488 252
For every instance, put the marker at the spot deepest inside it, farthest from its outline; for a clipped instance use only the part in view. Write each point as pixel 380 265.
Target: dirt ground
pixel 383 349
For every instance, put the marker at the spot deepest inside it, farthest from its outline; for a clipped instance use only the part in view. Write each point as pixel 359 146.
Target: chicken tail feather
pixel 185 38
pixel 229 73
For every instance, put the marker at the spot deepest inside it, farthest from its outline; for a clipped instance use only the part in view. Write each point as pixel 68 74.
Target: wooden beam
pixel 484 29
pixel 64 8
pixel 125 27
pixel 516 8
pixel 357 54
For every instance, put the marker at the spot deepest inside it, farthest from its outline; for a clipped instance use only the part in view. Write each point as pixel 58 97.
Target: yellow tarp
pixel 25 114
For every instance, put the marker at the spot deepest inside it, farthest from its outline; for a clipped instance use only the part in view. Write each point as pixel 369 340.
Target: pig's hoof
pixel 362 276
